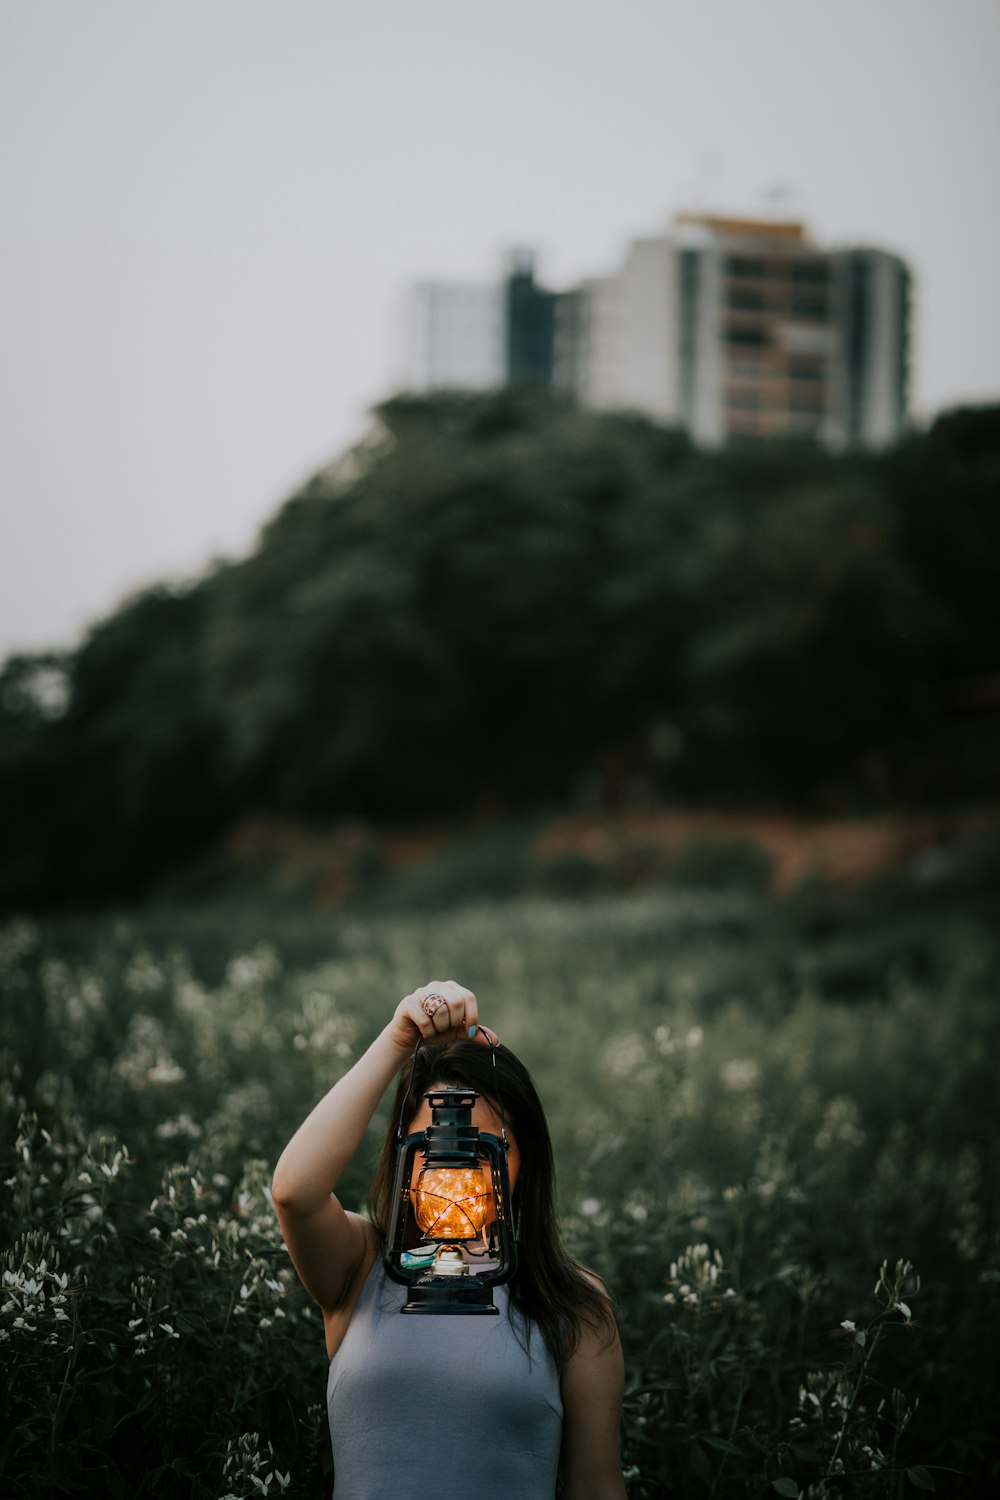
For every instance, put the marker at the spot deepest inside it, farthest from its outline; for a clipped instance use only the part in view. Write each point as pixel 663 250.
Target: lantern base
pixel 446 1295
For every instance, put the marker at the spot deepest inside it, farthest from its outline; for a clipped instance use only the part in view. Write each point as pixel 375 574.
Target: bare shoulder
pixel 594 1280
pixel 601 1326
pixel 593 1385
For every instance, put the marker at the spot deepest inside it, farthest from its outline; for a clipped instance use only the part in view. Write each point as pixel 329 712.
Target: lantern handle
pixel 503 1117
pixel 409 1084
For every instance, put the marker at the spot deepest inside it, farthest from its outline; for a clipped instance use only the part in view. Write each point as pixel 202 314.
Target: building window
pixel 804 424
pixel 816 312
pixel 742 369
pixel 810 273
pixel 744 265
pixel 743 424
pixel 745 301
pixel 756 337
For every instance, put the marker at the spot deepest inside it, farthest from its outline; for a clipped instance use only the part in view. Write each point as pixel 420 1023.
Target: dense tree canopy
pixel 491 599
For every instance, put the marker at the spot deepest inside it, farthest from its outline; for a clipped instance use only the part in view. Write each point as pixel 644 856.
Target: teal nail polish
pixel 472 1032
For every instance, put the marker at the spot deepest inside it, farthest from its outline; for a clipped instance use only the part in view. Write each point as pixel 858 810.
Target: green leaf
pixel 920 1477
pixel 786 1487
pixel 723 1445
pixel 700 1463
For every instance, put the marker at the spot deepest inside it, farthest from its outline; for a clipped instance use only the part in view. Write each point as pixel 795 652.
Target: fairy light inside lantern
pixel 451 1203
pixel 450 1236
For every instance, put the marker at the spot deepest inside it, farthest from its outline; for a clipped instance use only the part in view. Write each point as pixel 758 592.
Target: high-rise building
pixel 733 329
pixel 743 328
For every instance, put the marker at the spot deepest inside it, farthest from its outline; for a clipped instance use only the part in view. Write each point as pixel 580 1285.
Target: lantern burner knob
pixel 450 1262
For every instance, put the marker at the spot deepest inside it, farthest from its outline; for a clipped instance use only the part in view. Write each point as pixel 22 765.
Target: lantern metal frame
pixel 442 1279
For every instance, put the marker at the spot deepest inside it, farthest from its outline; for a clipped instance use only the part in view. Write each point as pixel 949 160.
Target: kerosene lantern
pixel 450 1236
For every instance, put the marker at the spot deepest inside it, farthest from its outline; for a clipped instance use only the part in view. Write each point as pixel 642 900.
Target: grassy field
pixel 777 1138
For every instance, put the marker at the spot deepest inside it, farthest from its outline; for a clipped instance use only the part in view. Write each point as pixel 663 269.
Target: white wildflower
pixel 739 1074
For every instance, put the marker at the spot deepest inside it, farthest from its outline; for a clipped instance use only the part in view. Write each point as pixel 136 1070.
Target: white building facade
pixel 738 329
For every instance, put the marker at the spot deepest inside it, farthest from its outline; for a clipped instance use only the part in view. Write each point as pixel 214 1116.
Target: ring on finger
pixel 432 1003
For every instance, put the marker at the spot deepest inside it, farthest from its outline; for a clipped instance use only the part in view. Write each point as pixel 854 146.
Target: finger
pixel 444 1018
pixel 455 1010
pixel 471 1017
pixel 414 1009
pixel 464 1017
pixel 484 1037
pixel 442 1008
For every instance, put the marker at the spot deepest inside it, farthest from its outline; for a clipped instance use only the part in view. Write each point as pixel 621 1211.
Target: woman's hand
pixel 441 1011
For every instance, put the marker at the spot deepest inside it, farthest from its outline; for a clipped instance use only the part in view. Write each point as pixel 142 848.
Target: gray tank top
pixel 424 1406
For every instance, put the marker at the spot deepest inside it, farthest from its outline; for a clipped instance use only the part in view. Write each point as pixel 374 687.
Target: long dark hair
pixel 550 1288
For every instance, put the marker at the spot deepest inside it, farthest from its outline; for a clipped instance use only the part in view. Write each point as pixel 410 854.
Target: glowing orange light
pixel 451 1203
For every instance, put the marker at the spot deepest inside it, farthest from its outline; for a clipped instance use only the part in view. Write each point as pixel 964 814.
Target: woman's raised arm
pixel 328 1245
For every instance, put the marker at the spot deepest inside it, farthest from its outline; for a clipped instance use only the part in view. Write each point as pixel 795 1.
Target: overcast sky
pixel 211 213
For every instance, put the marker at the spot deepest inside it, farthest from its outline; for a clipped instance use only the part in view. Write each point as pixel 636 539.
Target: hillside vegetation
pixel 503 603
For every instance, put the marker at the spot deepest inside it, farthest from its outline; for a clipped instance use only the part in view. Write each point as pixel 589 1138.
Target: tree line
pixel 502 601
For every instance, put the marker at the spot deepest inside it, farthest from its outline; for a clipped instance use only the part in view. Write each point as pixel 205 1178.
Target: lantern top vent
pixel 439 1099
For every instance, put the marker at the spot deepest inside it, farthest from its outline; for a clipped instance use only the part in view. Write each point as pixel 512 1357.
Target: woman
pixel 460 1406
